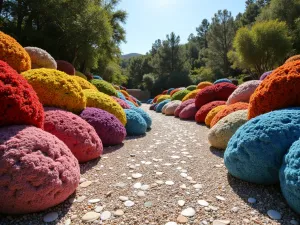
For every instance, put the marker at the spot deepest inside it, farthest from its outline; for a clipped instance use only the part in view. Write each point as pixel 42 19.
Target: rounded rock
pixel 205 109
pixel 136 125
pixel 145 116
pixel 223 80
pixel 40 58
pixel 212 114
pixel 160 105
pixel 180 94
pixel 121 102
pixel 204 84
pixel 105 87
pixel 84 84
pixel 182 106
pixel 66 67
pixel 189 112
pixel 191 95
pixel 265 75
pixel 171 107
pixel 162 98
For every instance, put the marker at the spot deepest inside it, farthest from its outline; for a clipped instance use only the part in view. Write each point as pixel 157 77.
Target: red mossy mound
pixel 182 106
pixel 76 133
pixel 279 90
pixel 19 102
pixel 217 92
pixel 37 170
pixel 205 109
pixel 227 110
pixel 66 67
pixel 165 92
pixel 189 112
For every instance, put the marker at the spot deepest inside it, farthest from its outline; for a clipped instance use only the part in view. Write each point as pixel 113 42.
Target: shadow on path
pixel 217 152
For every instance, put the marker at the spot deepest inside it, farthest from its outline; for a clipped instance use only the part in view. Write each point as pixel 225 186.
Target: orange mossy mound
pixel 191 95
pixel 204 84
pixel 293 58
pixel 211 114
pixel 279 90
pixel 227 110
pixel 125 93
pixel 174 91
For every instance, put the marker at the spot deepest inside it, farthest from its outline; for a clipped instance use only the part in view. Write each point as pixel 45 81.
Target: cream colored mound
pixel 220 134
pixel 171 107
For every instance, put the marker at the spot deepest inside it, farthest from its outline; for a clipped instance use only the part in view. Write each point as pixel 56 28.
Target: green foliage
pixel 201 74
pixel 148 81
pixel 261 48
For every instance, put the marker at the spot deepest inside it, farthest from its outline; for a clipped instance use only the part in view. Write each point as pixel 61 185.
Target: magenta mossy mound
pixel 243 92
pixel 171 107
pixel 189 112
pixel 110 130
pixel 255 152
pixel 38 170
pixel 76 133
pixel 182 106
pixel 136 125
pixel 225 128
pixel 217 92
pixel 66 67
pixel 290 177
pixel 40 58
pixel 121 102
pixel 19 102
pixel 205 109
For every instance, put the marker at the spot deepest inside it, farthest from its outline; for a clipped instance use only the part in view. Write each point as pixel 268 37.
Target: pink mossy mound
pixel 205 109
pixel 108 127
pixel 37 170
pixel 217 92
pixel 182 106
pixel 75 132
pixel 189 112
pixel 66 67
pixel 121 102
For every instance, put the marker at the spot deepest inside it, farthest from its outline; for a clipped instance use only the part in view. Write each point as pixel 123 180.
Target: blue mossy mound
pixel 121 96
pixel 150 101
pixel 139 102
pixel 132 106
pixel 161 105
pixel 290 177
pixel 222 81
pixel 170 90
pixel 135 125
pixel 97 77
pixel 255 152
pixel 145 116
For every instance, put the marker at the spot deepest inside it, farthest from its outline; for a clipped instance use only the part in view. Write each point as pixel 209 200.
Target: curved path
pixel 172 162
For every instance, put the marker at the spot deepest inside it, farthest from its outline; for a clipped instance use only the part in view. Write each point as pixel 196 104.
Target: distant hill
pixel 130 55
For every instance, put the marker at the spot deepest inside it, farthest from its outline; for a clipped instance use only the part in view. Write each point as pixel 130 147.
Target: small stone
pixel 189 212
pixel 294 222
pixel 183 186
pixel 182 219
pixel 85 184
pixel 273 214
pixel 159 173
pixel 171 223
pixel 119 212
pixel 81 199
pixel 108 194
pixel 120 185
pixel 98 209
pixel 159 181
pixel 252 200
pixel 235 209
pixel 246 221
pixel 169 182
pixel 175 157
pixel 67 222
pixel 198 186
pixel 220 198
pixel 141 194
pixel 129 203
pixel 73 217
pixel 148 204
pixel 132 155
pixel 136 175
pixel 50 217
pixel 221 222
pixel 94 200
pixel 123 198
pixel 105 215
pixel 145 187
pixel 137 185
pixel 82 179
pixel 183 175
pixel 181 202
pixel 203 203
pixel 213 208
pixel 91 216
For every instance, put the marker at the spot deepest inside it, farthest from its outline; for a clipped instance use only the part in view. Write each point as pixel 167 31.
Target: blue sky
pixel 149 20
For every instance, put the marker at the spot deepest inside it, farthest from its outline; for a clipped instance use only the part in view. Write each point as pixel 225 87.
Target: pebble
pixel 181 202
pixel 120 185
pixel 213 208
pixel 73 217
pixel 235 209
pixel 148 204
pixel 182 219
pixel 159 173
pixel 252 200
pixel 94 200
pixel 189 212
pixel 183 175
pixel 171 223
pixel 85 184
pixel 119 212
pixel 198 186
pixel 203 203
pixel 183 186
pixel 123 198
pixel 175 157
pixel 145 187
pixel 294 222
pixel 82 180
pixel 129 203
pixel 274 214
pixel 221 222
pixel 81 199
pixel 141 194
pixel 105 215
pixel 49 217
pixel 220 198
pixel 99 209
pixel 67 222
pixel 137 185
pixel 169 182
pixel 159 182
pixel 91 216
pixel 136 175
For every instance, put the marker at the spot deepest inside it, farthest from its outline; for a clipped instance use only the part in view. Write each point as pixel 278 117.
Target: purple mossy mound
pixel 108 127
pixel 75 132
pixel 37 170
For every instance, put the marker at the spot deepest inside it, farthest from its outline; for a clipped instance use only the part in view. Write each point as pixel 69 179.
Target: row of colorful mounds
pixel 50 121
pixel 257 122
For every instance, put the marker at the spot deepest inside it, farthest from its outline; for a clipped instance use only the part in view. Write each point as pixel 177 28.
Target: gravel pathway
pixel 170 175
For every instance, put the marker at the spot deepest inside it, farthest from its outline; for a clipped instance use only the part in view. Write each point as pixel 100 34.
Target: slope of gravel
pixel 172 162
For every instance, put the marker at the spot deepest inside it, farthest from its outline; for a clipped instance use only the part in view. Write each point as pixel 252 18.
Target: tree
pixel 202 31
pixel 261 48
pixel 148 81
pixel 220 37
